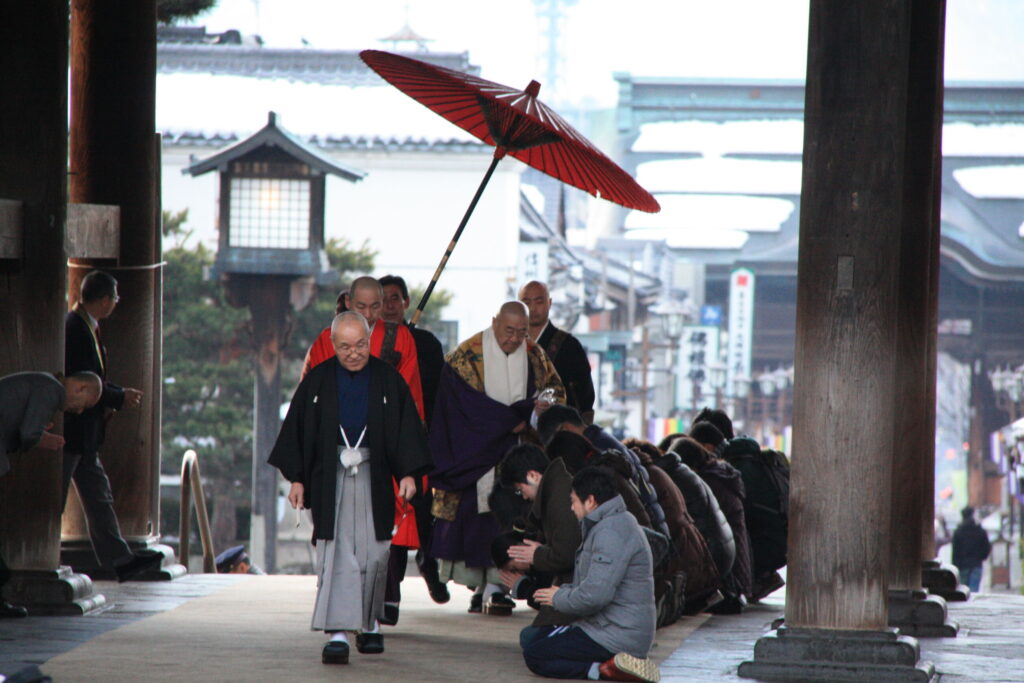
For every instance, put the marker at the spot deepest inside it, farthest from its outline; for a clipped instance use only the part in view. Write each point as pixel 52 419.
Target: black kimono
pixel 306 450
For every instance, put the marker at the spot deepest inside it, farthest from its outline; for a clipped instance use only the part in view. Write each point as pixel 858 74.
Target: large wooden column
pixel 33 154
pixel 911 609
pixel 847 352
pixel 114 160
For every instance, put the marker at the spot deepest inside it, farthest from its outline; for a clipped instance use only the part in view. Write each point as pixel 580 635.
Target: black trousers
pixel 399 557
pixel 98 502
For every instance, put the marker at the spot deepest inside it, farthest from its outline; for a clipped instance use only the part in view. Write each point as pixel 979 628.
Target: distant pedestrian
pixel 971 548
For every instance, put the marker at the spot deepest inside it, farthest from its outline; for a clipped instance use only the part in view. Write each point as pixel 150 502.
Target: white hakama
pixel 352 568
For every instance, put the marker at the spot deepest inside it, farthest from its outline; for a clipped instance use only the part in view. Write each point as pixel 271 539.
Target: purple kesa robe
pixel 469 435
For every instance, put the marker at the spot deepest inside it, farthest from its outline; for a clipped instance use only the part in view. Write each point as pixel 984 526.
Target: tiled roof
pixel 185 138
pixel 327 67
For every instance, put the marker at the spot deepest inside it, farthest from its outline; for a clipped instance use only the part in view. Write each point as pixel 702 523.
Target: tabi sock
pixel 339 636
pixel 492 588
pixel 376 627
pixel 594 673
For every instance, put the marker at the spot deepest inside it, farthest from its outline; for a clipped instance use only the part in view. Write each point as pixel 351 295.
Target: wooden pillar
pixel 911 609
pixel 33 154
pixel 847 352
pixel 114 160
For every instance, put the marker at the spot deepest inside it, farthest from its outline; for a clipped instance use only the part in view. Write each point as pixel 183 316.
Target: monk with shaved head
pixel 491 388
pixel 564 350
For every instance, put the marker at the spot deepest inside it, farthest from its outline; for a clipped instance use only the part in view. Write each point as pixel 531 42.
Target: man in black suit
pixel 84 351
pixel 430 356
pixel 564 350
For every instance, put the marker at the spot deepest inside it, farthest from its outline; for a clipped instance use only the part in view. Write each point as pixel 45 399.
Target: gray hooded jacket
pixel 612 593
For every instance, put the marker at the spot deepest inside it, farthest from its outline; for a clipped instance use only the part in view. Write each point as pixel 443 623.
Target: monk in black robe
pixel 351 429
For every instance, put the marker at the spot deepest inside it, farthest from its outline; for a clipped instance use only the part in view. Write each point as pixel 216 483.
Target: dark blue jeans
pixel 563 652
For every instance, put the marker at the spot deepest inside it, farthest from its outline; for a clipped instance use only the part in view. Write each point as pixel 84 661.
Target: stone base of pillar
pixel 78 554
pixel 48 593
pixel 812 654
pixel 943 580
pixel 916 613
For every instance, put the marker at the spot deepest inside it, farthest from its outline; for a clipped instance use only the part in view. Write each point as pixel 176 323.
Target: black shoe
pixel 370 643
pixel 9 611
pixel 438 590
pixel 335 652
pixel 138 565
pixel 766 585
pixel 390 617
pixel 476 603
pixel 500 605
pixel 731 604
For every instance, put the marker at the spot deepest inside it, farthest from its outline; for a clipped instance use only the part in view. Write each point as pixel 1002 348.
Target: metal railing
pixel 192 482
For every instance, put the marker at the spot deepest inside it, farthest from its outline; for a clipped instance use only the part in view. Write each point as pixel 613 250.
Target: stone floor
pixel 990 647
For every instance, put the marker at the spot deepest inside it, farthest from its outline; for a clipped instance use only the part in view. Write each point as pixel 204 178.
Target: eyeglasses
pixel 360 346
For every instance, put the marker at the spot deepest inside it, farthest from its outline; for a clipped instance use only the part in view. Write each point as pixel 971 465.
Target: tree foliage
pixel 169 11
pixel 208 387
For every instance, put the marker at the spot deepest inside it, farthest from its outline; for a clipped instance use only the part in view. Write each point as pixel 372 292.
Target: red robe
pixel 409 367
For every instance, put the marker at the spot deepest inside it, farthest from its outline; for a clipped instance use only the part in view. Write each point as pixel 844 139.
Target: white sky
pixel 696 38
pixel 686 38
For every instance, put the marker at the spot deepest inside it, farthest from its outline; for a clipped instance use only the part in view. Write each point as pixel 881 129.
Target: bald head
pixel 510 325
pixel 538 301
pixel 82 390
pixel 366 296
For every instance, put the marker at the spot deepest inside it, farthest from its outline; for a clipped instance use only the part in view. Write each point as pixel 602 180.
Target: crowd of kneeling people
pixel 610 540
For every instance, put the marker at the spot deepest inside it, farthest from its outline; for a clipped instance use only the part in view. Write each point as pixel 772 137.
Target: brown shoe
pixel 626 667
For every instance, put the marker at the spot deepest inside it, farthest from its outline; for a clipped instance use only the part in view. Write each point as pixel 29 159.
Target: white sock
pixel 339 636
pixel 376 627
pixel 595 672
pixel 492 588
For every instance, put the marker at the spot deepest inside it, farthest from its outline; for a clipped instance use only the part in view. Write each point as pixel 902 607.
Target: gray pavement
pixel 990 647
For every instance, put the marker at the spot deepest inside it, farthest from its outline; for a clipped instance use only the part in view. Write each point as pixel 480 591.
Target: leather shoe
pixel 626 667
pixel 390 616
pixel 9 611
pixel 370 643
pixel 500 605
pixel 138 565
pixel 476 603
pixel 438 590
pixel 335 652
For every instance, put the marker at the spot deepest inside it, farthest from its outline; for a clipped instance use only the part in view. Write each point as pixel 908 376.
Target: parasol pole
pixel 499 153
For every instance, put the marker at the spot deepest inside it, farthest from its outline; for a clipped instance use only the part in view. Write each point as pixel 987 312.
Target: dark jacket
pixel 612 593
pixel 603 441
pixel 726 484
pixel 570 360
pixel 767 524
pixel 703 507
pixel 430 357
pixel 690 552
pixel 971 546
pixel 84 433
pixel 306 450
pixel 552 516
pixel 28 401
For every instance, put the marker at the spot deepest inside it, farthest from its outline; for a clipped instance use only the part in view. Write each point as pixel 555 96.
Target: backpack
pixel 766 480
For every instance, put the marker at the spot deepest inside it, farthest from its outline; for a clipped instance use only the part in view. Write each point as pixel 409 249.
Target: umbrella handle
pixel 498 154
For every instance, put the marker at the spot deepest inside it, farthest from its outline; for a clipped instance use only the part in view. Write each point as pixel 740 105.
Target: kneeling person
pixel 611 595
pixel 351 428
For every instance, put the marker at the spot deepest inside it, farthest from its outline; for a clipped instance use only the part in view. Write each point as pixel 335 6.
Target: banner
pixel 741 330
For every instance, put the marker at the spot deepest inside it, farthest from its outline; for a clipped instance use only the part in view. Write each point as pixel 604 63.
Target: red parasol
pixel 516 123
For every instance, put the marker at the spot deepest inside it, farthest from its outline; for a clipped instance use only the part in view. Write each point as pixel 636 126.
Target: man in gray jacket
pixel 611 596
